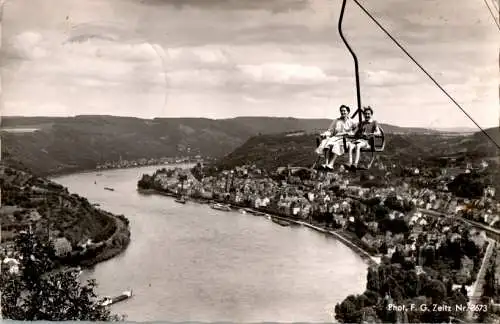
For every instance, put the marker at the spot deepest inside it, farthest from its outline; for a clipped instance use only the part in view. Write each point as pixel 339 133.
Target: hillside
pixel 270 151
pixel 282 125
pixel 79 143
pixel 66 144
pixel 49 209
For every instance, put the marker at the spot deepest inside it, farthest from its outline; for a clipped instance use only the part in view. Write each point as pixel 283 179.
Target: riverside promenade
pixel 360 251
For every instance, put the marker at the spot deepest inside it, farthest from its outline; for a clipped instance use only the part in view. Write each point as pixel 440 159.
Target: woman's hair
pixel 346 108
pixel 368 109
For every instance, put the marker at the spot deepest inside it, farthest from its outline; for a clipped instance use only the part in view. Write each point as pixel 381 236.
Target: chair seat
pixel 377 143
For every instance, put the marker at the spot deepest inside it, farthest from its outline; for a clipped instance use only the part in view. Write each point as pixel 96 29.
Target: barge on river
pixel 108 301
pixel 280 221
pixel 180 200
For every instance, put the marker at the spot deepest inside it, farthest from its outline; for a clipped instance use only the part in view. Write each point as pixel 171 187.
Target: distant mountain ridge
pixel 286 124
pixel 64 144
pixel 456 129
pixel 272 150
pixel 254 124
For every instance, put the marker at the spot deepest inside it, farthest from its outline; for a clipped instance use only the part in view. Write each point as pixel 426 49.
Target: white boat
pixel 221 207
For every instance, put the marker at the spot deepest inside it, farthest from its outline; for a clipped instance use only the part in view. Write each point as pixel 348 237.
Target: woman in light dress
pixel 332 144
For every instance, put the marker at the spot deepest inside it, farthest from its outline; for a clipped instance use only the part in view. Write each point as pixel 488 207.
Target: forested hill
pixel 266 125
pixel 48 207
pixel 273 150
pixel 63 144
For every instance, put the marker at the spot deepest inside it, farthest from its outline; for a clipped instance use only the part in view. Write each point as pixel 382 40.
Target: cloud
pixel 26 46
pixel 271 5
pixel 254 100
pixel 96 59
pixel 284 73
pixel 198 79
pixel 383 78
pixel 203 56
pixel 274 57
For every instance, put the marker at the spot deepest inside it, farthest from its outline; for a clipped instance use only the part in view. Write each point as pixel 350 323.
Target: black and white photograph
pixel 250 161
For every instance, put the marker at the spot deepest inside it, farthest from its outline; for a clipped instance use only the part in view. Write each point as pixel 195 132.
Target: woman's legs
pixel 359 146
pixel 333 157
pixel 326 152
pixel 350 147
pixel 358 153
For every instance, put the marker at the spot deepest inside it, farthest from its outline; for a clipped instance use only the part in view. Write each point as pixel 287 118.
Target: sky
pixel 227 58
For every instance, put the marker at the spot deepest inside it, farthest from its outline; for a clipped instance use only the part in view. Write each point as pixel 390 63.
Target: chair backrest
pixel 377 143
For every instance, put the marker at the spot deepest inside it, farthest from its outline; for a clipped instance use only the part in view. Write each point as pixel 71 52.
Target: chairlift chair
pixel 377 142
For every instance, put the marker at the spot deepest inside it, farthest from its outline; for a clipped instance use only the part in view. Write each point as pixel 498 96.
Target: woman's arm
pixel 353 129
pixel 345 128
pixel 330 130
pixel 332 126
pixel 338 130
pixel 376 129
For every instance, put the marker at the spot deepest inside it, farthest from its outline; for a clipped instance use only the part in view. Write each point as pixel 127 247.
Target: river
pixel 192 263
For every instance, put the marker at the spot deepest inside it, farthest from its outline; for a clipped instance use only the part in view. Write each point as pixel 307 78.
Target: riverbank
pixel 82 170
pixel 110 245
pixel 48 209
pixel 118 241
pixel 104 250
pixel 116 244
pixel 365 255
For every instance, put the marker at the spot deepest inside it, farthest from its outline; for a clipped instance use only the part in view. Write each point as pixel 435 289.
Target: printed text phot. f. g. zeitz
pixel 250 161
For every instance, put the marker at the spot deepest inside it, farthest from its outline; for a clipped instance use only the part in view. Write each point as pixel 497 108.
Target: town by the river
pixel 193 263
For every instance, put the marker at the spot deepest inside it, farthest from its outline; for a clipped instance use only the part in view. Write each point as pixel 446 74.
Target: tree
pixel 347 311
pixel 33 293
pixel 397 257
pixel 360 228
pixel 372 280
pixel 467 185
pixel 436 290
pixel 182 178
pixel 145 182
pixel 197 171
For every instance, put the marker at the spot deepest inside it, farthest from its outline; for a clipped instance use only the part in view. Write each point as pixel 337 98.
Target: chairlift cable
pixel 495 5
pixel 492 15
pixel 425 71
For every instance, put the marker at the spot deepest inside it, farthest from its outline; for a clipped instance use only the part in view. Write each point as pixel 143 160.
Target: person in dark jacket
pixel 364 131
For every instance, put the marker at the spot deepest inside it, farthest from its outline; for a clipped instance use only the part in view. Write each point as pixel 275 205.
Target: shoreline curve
pixel 365 255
